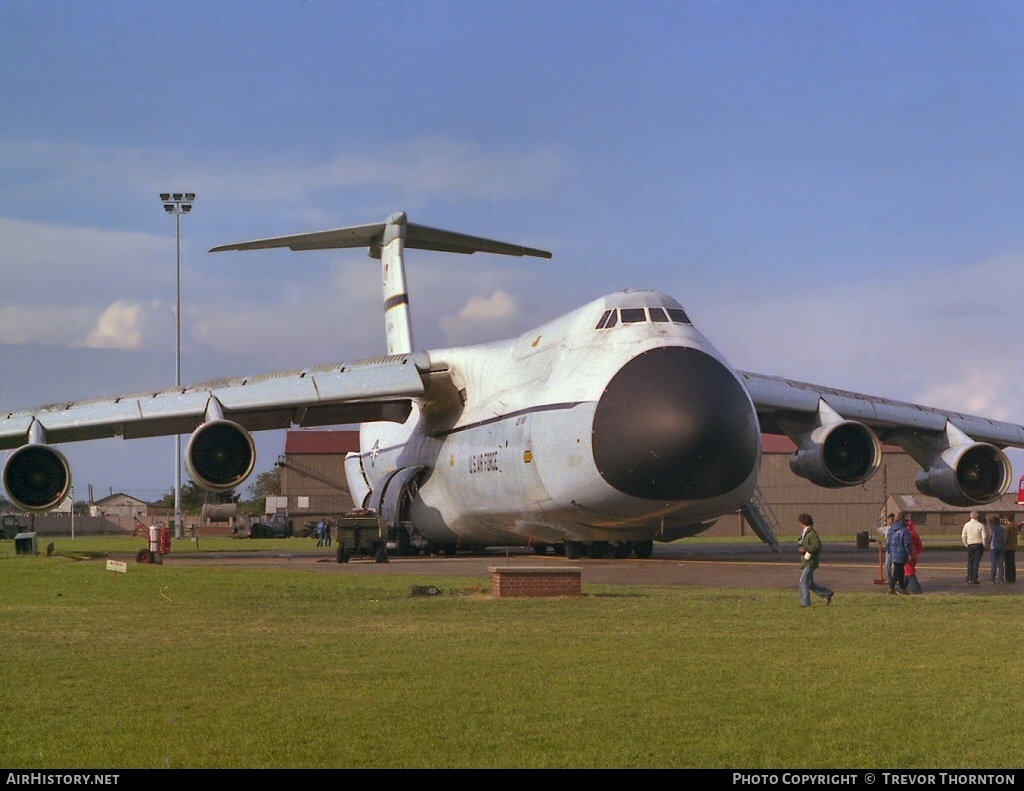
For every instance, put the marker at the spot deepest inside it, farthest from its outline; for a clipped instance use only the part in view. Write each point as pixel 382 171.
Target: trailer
pixel 361 534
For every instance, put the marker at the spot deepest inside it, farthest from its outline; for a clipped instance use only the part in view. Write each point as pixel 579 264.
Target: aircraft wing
pixel 379 389
pixel 777 398
pixel 838 435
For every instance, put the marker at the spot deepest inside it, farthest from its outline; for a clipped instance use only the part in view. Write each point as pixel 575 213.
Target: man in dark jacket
pixel 810 552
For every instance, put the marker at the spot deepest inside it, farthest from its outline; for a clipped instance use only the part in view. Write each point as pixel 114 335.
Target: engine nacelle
pixel 835 455
pixel 220 455
pixel 973 474
pixel 37 478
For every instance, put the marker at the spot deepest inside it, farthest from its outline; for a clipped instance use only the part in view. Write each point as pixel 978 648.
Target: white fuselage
pixel 523 455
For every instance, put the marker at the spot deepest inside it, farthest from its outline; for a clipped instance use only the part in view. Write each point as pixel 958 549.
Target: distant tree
pixel 267 484
pixel 193 498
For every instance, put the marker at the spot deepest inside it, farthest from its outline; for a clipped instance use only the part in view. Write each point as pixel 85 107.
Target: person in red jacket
pixel 910 567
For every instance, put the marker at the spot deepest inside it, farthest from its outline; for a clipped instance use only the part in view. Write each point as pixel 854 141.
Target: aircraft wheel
pixel 450 550
pixel 432 548
pixel 380 552
pixel 540 549
pixel 573 550
pixel 342 554
pixel 597 549
pixel 643 549
pixel 621 550
pixel 558 549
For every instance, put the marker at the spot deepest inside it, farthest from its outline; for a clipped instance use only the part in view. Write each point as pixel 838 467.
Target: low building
pixel 848 510
pixel 120 504
pixel 935 518
pixel 314 485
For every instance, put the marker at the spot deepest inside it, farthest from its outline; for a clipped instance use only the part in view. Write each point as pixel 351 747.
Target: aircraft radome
pixel 604 430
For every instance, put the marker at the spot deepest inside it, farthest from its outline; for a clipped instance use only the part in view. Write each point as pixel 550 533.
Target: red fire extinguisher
pixel 1020 491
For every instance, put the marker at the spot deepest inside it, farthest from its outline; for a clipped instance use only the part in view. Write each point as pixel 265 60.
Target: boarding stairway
pixel 761 518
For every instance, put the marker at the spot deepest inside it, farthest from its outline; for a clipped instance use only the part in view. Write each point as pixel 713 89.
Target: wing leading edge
pixel 776 397
pixel 379 389
pixel 219 415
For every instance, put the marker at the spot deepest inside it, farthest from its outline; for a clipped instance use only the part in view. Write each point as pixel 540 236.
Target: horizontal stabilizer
pixel 420 237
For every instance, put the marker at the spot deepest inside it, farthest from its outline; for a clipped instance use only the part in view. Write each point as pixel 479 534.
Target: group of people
pixel 903 546
pixel 999 537
pixel 323 533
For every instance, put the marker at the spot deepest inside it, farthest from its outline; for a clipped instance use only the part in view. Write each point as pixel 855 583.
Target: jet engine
pixel 220 455
pixel 839 454
pixel 971 474
pixel 36 477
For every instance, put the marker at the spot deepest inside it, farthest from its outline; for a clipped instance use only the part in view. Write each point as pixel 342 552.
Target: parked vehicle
pixel 9 527
pixel 278 526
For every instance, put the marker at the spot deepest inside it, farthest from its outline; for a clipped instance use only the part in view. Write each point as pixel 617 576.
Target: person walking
pixel 910 567
pixel 899 545
pixel 883 533
pixel 997 549
pixel 973 536
pixel 810 556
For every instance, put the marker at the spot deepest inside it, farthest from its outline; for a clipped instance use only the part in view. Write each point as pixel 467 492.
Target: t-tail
pixel 387 241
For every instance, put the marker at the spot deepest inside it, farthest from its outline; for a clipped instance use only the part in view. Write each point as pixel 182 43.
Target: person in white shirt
pixel 974 537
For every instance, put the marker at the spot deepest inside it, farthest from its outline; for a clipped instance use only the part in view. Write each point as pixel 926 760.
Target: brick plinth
pixel 535 581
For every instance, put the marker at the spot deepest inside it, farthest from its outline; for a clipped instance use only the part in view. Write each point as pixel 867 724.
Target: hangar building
pixel 313 483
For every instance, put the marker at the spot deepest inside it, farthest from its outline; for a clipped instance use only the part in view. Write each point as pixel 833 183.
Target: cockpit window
pixel 637 315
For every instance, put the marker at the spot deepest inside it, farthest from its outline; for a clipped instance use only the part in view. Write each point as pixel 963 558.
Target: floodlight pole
pixel 177 203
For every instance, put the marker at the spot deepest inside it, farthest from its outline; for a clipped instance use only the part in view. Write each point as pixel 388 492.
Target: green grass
pixel 223 667
pixel 97 546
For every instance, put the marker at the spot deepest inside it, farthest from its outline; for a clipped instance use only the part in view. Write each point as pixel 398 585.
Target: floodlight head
pixel 186 207
pixel 168 207
pixel 177 196
pixel 190 196
pixel 165 196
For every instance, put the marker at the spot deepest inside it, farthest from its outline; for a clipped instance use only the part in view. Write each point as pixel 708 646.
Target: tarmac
pixel 844 567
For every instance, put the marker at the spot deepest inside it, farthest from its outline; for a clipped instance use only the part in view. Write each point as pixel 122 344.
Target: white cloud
pixel 50 325
pixel 500 305
pixel 979 389
pixel 117 328
pixel 46 262
pixel 950 340
pixel 133 325
pixel 418 166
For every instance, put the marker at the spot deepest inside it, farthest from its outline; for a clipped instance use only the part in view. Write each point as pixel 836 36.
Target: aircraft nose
pixel 675 424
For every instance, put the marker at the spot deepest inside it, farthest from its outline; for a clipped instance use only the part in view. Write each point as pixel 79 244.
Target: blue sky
pixel 833 190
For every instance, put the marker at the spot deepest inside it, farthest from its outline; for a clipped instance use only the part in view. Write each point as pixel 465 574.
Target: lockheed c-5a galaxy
pixel 605 430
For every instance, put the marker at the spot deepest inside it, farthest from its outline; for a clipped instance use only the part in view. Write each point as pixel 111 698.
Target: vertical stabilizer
pixel 387 241
pixel 397 320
